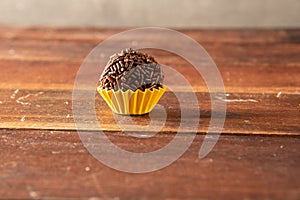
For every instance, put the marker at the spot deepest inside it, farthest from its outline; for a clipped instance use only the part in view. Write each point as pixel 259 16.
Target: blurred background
pixel 168 13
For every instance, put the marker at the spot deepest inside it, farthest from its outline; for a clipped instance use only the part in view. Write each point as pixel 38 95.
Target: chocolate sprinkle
pixel 131 70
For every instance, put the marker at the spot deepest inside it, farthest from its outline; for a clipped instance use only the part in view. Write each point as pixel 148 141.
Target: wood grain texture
pixel 256 157
pixel 52 109
pixel 244 58
pixel 55 165
pixel 260 68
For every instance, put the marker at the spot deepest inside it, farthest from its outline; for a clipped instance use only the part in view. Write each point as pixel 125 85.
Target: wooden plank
pixel 246 113
pixel 243 66
pixel 55 165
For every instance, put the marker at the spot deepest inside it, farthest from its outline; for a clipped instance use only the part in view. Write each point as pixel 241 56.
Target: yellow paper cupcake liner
pixel 131 103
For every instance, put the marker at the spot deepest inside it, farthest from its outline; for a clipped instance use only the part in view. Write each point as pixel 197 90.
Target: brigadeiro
pixel 131 82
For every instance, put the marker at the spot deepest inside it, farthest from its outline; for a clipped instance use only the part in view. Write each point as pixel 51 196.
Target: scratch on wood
pixel 13 96
pixel 240 100
pixel 32 193
pixel 55 152
pixel 23 119
pixel 278 94
pixel 20 99
pixel 237 100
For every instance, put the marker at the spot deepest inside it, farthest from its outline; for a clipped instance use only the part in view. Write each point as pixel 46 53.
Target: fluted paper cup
pixel 130 102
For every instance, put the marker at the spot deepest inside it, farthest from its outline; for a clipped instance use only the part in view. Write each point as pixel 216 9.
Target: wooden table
pixel 256 157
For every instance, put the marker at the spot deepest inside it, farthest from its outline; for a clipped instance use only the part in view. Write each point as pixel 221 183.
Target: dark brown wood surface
pixel 257 156
pixel 54 164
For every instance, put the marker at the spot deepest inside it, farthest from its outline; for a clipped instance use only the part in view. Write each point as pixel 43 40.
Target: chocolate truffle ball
pixel 131 70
